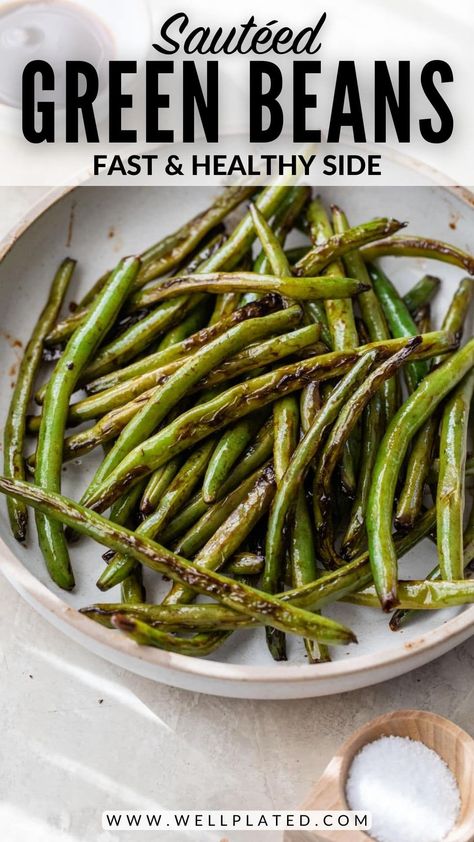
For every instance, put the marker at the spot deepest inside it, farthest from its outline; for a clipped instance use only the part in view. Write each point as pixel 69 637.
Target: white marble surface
pixel 80 736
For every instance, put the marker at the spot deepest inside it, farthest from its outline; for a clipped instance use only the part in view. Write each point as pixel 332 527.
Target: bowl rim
pixel 47 602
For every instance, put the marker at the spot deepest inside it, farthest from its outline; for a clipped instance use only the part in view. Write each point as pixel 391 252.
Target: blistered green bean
pixel 450 490
pixel 239 401
pixel 78 352
pixel 15 425
pixel 415 411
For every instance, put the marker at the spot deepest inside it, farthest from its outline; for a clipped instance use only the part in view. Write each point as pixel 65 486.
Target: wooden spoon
pixel 452 744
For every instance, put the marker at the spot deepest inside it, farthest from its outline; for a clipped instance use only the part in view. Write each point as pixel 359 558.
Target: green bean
pixel 165 255
pixel 450 492
pixel 138 337
pixel 339 435
pixel 302 342
pixel 100 404
pixel 345 583
pixel 110 425
pixel 177 493
pixel 399 319
pixel 303 565
pixel 412 246
pixel 193 322
pixel 64 329
pixel 285 412
pixel 372 313
pixel 286 429
pixel 179 383
pixel 335 585
pixel 230 446
pixel 434 469
pixel 15 425
pixel 245 564
pixel 411 495
pixel 198 646
pixel 400 616
pixel 459 307
pixel 237 402
pixel 245 599
pixel 283 221
pixel 181 487
pixel 315 309
pixel 267 304
pixel 302 548
pixel 286 424
pixel 96 406
pixel 32 424
pixel 243 235
pixel 271 245
pixel 214 516
pixel 329 588
pixel 337 245
pixel 224 306
pixel 132 589
pixel 373 425
pixel 256 455
pixel 315 314
pixel 257 452
pixel 276 348
pixel 421 293
pixel 293 478
pixel 193 232
pixel 203 616
pixel 339 313
pixel 158 484
pixel 210 245
pixel 310 404
pixel 408 420
pixel 79 350
pixel 104 430
pixel 307 289
pixel 340 316
pixel 232 532
pixel 421 595
pixel 232 251
pixel 339 584
pixel 410 499
pixel 124 508
pixel 202 520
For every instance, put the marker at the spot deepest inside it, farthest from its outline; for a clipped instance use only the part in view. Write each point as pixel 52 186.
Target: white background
pixel 363 31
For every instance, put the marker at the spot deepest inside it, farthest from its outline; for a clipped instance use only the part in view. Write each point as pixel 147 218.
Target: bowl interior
pixel 99 225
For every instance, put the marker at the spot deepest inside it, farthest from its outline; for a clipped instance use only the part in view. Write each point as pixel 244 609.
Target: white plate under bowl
pixel 98 225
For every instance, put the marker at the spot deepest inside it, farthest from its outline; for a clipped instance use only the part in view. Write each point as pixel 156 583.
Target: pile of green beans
pixel 276 427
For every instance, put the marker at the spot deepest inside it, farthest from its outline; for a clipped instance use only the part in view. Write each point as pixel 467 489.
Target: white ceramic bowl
pixel 97 225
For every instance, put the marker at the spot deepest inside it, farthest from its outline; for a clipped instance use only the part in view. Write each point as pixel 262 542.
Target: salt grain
pixel 409 790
